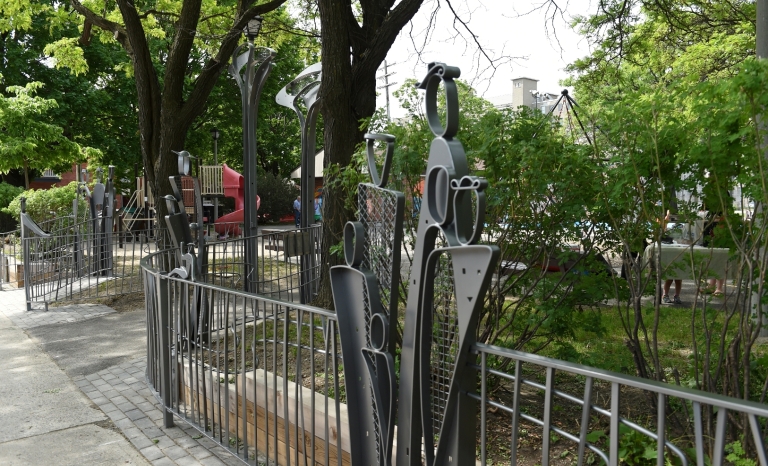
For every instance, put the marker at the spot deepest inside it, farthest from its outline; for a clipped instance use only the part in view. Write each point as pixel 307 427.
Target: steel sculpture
pixel 450 275
pixel 365 295
pixel 100 204
pixel 250 68
pixel 302 92
pixel 191 265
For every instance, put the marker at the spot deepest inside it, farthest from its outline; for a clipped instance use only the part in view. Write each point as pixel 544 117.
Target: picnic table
pixel 679 261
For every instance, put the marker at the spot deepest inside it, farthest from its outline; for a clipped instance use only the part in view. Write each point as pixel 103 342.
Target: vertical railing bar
pixel 300 433
pixel 208 374
pixel 223 319
pixel 699 433
pixel 661 428
pixel 165 347
pixel 516 411
pixel 286 416
pixel 186 349
pixel 225 328
pixel 545 435
pixel 586 409
pixel 615 419
pixel 720 430
pixel 339 451
pixel 274 378
pixel 483 395
pixel 241 379
pixel 197 306
pixel 312 385
pixel 326 344
pixel 758 438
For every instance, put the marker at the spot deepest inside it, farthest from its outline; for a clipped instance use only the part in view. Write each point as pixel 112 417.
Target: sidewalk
pixel 74 392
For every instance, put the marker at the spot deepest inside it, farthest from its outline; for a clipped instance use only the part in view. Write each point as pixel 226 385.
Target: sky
pixel 541 46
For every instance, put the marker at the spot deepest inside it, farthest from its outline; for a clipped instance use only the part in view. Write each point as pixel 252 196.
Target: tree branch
pixel 104 24
pixel 209 76
pixel 178 57
pixel 365 66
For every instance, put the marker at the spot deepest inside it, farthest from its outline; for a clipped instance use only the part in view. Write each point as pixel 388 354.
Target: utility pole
pixel 387 84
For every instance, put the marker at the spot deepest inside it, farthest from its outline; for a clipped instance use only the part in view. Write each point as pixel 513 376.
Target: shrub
pixel 40 203
pixel 277 195
pixel 7 193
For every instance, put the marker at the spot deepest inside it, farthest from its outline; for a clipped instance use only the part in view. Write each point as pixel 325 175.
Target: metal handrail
pixel 192 328
pixel 698 398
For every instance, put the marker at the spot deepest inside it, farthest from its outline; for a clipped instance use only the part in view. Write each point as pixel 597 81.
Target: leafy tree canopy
pixel 29 140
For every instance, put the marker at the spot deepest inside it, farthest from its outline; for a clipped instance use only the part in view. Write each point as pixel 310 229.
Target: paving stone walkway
pixel 121 392
pixel 118 400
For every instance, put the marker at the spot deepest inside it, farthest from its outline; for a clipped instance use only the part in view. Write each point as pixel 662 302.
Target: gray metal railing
pixel 534 397
pixel 68 260
pixel 262 377
pixel 259 376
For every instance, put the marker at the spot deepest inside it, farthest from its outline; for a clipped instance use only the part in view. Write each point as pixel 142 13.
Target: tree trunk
pixel 352 53
pixel 26 174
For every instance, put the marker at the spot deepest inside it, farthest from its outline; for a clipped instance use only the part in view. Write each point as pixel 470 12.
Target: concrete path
pixel 74 391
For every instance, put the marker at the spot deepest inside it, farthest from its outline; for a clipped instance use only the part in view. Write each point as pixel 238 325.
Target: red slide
pixel 233 187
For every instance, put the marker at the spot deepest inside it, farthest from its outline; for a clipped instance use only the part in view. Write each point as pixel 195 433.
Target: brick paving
pixel 122 393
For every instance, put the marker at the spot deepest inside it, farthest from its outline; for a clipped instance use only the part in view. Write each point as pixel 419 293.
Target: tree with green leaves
pixel 29 140
pixel 675 96
pixel 177 53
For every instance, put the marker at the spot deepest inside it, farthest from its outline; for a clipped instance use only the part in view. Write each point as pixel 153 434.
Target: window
pixel 518 84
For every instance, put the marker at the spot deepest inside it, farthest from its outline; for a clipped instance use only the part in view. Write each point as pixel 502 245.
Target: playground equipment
pixel 233 185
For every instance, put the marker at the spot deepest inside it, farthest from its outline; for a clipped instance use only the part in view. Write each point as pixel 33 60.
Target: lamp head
pixel 215 133
pixel 253 27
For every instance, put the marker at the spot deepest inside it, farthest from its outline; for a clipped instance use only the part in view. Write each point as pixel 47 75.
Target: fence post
pixel 120 218
pixel 26 255
pixel 166 368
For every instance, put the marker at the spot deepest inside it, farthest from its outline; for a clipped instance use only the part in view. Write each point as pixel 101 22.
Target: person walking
pixel 297 211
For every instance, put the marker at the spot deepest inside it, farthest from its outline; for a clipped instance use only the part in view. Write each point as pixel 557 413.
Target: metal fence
pixel 259 376
pixel 532 393
pixel 263 378
pixel 65 259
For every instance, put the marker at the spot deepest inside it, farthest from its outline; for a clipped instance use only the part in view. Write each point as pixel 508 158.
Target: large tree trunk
pixel 167 110
pixel 351 53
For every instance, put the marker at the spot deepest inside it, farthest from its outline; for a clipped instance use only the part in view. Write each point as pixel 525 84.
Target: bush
pixel 277 195
pixel 40 203
pixel 7 193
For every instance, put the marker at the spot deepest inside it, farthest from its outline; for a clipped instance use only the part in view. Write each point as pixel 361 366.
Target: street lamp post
pixel 250 67
pixel 303 92
pixel 215 135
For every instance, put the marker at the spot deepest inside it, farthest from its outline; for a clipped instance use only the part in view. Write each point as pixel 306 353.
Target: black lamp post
pixel 250 67
pixel 215 135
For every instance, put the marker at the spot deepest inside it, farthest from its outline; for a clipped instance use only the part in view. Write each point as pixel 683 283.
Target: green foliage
pixel 44 204
pixel 29 140
pixel 277 195
pixel 737 455
pixel 8 193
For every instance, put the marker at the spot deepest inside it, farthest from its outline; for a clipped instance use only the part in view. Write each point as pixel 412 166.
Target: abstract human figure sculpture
pixel 363 291
pixel 433 407
pixel 250 68
pixel 301 95
pixel 449 278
